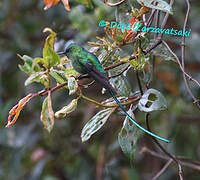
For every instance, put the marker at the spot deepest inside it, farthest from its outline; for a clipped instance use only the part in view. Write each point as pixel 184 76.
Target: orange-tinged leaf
pixel 66 4
pixel 50 3
pixel 15 111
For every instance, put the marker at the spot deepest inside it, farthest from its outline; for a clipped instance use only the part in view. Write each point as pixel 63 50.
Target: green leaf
pixel 72 85
pixel 152 100
pixel 49 43
pixel 71 72
pixel 47 114
pixel 27 67
pixel 55 59
pixel 67 109
pixel 120 83
pixel 50 58
pixel 128 136
pixel 59 76
pixel 40 77
pixel 36 61
pixel 160 5
pixel 94 124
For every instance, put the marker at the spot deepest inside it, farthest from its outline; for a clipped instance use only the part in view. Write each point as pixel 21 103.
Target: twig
pixel 114 76
pixel 149 21
pixel 114 65
pixel 157 22
pixel 155 154
pixel 45 92
pixel 162 170
pixel 183 56
pixel 158 39
pixel 100 162
pixel 178 61
pixel 109 106
pixel 164 150
pixel 115 4
pixel 139 83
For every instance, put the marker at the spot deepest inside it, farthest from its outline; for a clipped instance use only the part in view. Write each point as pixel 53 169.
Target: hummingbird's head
pixel 69 49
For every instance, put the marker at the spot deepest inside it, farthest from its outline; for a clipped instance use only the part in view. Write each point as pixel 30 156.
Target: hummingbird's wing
pixel 101 77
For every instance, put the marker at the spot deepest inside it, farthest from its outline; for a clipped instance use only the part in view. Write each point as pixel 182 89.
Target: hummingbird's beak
pixel 60 53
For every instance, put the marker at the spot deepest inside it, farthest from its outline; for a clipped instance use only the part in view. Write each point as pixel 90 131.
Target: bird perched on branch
pixel 85 62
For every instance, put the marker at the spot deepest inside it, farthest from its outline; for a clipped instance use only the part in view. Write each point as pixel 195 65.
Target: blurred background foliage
pixel 27 151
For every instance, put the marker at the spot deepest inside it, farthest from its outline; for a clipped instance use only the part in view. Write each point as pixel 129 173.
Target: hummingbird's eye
pixel 67 50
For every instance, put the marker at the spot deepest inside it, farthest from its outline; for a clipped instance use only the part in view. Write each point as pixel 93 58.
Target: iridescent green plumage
pixel 85 62
pixel 78 54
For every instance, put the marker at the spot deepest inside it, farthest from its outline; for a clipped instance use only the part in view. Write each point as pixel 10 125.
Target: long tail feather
pixel 134 122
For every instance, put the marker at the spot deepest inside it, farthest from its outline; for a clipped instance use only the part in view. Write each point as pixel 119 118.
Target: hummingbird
pixel 85 62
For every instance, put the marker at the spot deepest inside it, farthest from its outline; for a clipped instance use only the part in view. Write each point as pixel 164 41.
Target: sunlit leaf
pixel 71 72
pixel 157 4
pixel 50 40
pixel 128 136
pixel 59 76
pixel 36 61
pixel 50 58
pixel 27 67
pixel 94 124
pixel 67 109
pixel 152 100
pixel 15 111
pixel 47 114
pixel 72 85
pixel 40 77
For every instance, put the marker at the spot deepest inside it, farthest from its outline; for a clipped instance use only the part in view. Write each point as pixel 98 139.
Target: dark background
pixel 28 151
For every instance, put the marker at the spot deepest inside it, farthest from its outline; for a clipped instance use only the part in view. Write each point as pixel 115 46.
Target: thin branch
pixel 115 65
pixel 165 151
pixel 149 21
pixel 114 76
pixel 178 61
pixel 158 39
pixel 155 154
pixel 162 170
pixel 109 106
pixel 45 92
pixel 139 83
pixel 183 56
pixel 157 22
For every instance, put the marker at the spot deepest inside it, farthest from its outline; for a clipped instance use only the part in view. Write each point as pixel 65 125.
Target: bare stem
pixel 162 170
pixel 183 56
pixel 165 151
pixel 155 154
pixel 139 82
